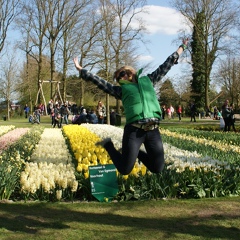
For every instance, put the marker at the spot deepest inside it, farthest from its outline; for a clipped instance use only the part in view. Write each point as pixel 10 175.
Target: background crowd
pixel 65 113
pixel 225 115
pixel 72 113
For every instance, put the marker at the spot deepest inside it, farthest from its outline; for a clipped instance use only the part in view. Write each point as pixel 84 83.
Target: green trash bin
pixel 4 118
pixel 118 120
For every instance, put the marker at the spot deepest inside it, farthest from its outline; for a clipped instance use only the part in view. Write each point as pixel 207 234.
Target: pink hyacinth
pixel 11 137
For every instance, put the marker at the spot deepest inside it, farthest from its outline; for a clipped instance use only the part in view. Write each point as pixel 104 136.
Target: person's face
pixel 126 74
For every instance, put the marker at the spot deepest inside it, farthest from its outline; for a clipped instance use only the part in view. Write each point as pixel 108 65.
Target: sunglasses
pixel 123 73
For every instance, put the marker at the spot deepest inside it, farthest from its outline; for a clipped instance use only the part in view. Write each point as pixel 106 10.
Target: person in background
pixel 57 116
pixel 193 111
pixel 50 107
pixel 179 112
pixel 83 116
pixel 221 121
pixel 217 115
pixel 226 111
pixel 52 115
pixel 172 111
pixel 232 118
pixel 113 117
pixel 101 112
pixel 142 111
pixel 37 113
pixel 169 113
pixel 26 110
pixel 93 117
pixel 41 108
pixel 74 109
pixel 64 111
pixel 163 109
pixel 215 112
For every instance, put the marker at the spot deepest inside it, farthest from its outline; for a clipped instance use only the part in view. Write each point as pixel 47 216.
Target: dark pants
pixel 132 139
pixel 232 124
pixel 57 122
pixel 101 120
pixel 227 121
pixel 179 116
pixel 193 116
pixel 53 119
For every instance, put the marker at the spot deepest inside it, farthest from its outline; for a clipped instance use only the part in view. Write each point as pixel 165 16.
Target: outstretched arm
pixel 78 67
pixel 183 46
pixel 102 84
pixel 163 69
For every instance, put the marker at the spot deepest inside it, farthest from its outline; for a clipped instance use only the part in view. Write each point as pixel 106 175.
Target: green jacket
pixel 139 100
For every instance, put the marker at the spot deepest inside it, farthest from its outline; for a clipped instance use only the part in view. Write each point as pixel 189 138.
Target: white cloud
pixel 145 58
pixel 161 20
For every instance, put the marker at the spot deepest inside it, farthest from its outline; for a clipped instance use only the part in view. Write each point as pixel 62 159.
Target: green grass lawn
pixel 162 219
pixel 46 122
pixel 23 122
pixel 194 219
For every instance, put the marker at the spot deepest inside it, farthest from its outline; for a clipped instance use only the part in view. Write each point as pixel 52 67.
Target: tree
pixel 119 35
pixel 8 80
pixel 183 90
pixel 29 91
pixel 101 31
pixel 33 28
pixel 212 21
pixel 43 25
pixel 168 94
pixel 229 76
pixel 8 11
pixel 85 39
pixel 197 83
pixel 57 15
pixel 72 33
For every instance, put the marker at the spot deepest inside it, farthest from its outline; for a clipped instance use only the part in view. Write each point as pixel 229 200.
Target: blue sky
pixel 163 24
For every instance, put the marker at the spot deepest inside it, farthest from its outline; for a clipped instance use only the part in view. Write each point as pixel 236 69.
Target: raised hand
pixel 78 67
pixel 185 41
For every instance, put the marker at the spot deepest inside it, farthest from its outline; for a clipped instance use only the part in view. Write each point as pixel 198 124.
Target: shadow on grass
pixel 31 218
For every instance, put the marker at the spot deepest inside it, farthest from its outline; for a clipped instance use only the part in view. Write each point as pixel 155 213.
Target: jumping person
pixel 143 114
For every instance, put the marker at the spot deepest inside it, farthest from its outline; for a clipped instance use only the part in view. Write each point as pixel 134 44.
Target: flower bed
pixel 50 173
pixel 5 129
pixel 217 147
pixel 186 174
pixel 82 142
pixel 52 170
pixel 12 161
pixel 11 137
pixel 225 138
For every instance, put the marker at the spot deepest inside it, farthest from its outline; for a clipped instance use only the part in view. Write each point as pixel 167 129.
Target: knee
pixel 125 171
pixel 158 169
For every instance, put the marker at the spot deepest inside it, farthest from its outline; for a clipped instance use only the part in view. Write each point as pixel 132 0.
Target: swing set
pixel 56 93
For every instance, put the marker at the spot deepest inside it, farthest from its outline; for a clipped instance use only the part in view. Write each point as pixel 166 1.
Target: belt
pixel 146 127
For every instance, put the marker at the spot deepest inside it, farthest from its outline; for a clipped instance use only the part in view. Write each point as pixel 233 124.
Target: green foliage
pixel 198 82
pixel 168 94
pixel 84 188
